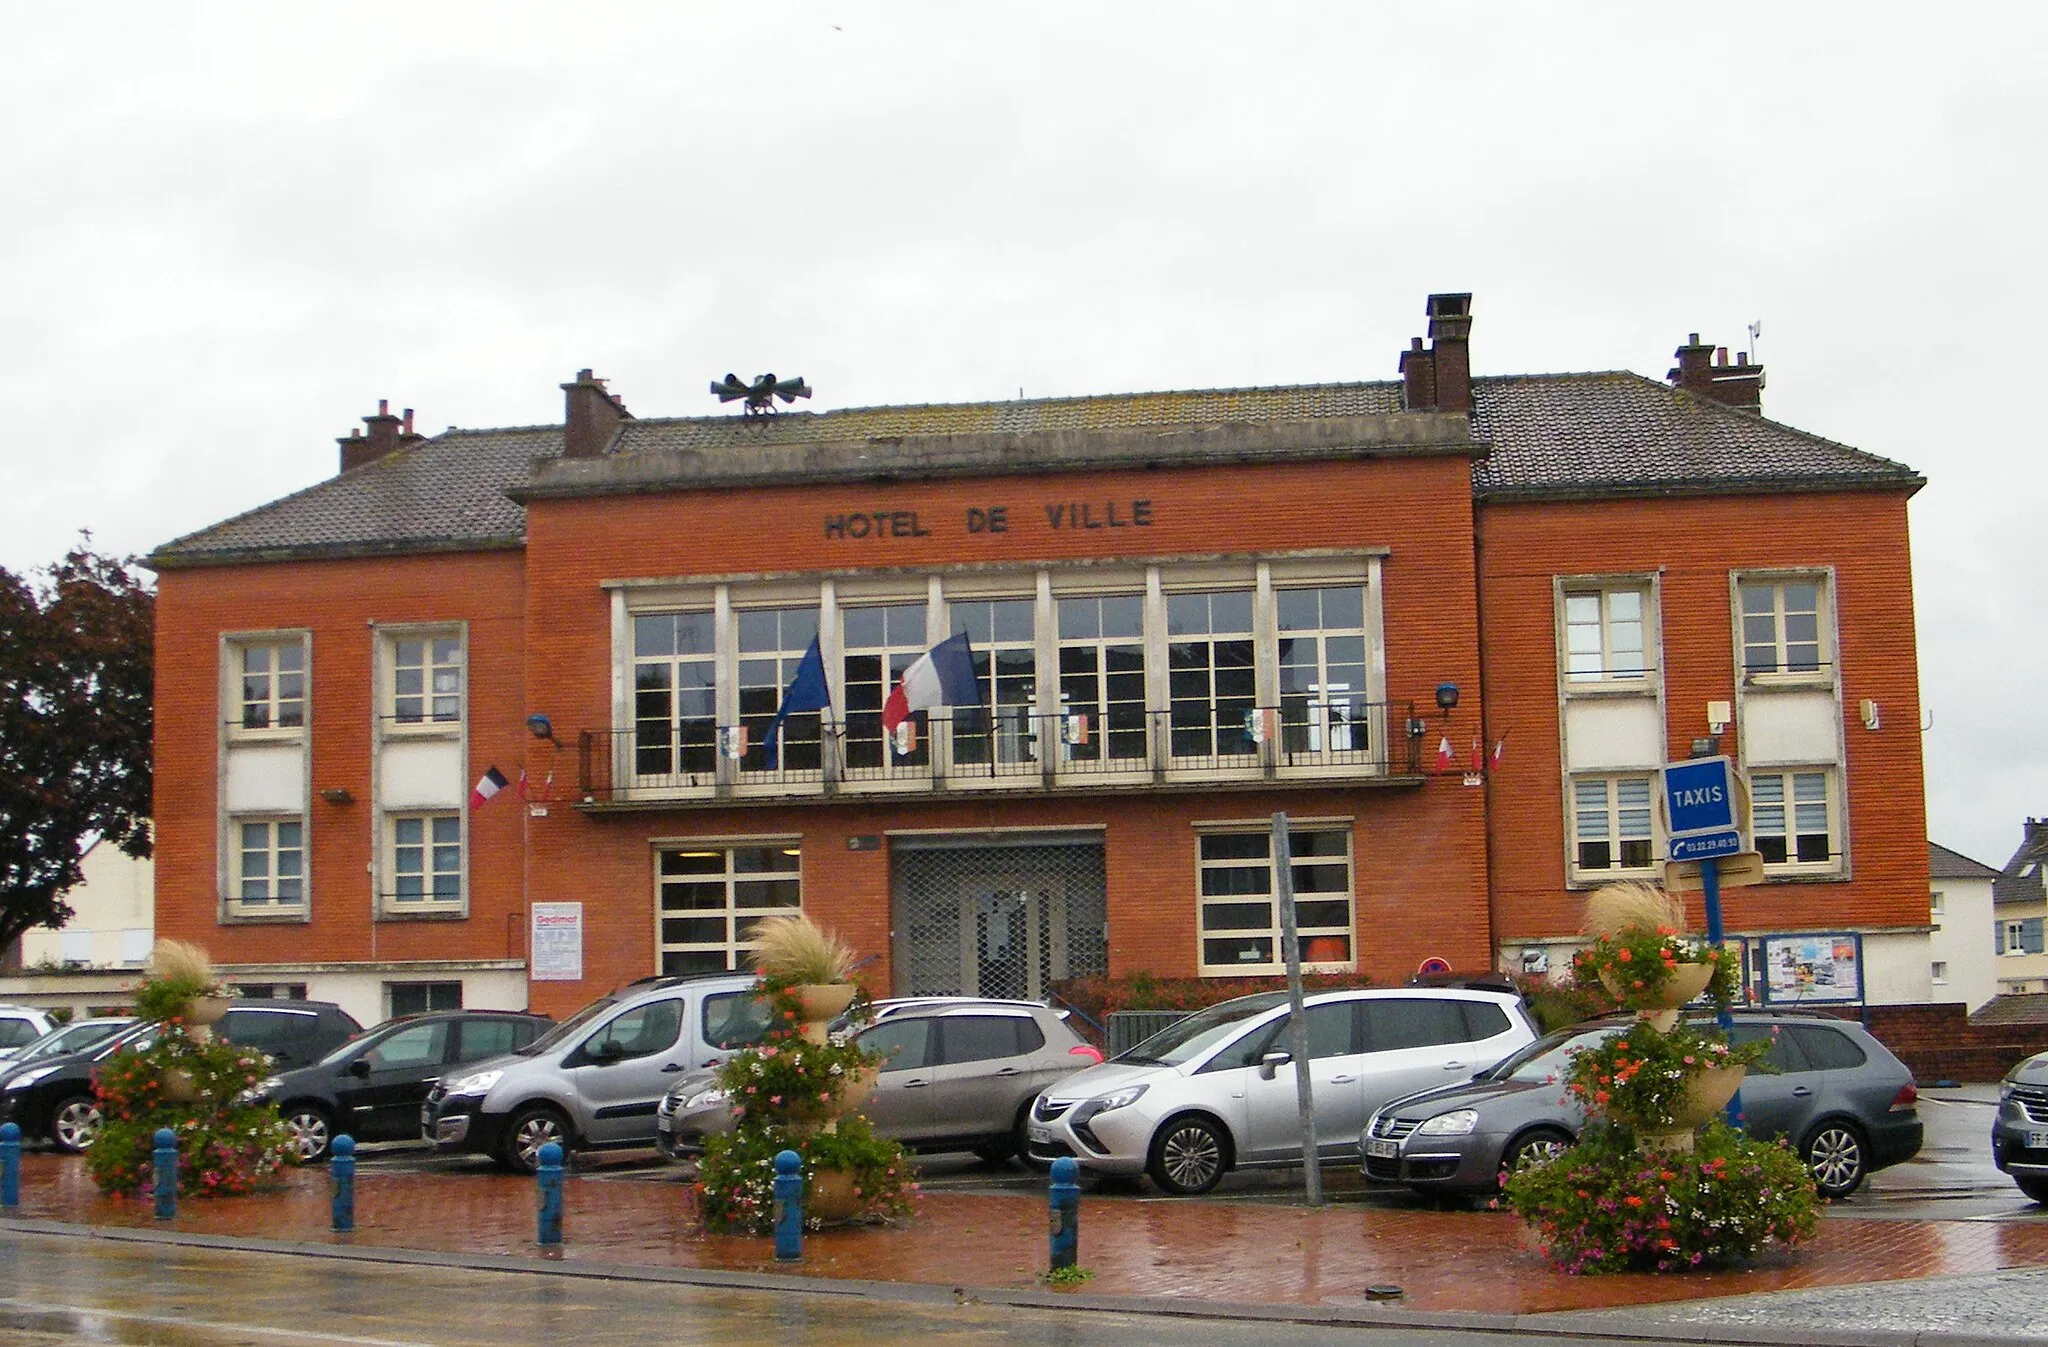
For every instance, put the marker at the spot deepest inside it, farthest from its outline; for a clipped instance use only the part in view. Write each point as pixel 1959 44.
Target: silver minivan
pixel 1216 1090
pixel 593 1082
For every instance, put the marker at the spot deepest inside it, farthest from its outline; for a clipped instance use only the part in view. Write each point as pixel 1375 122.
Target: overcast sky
pixel 230 229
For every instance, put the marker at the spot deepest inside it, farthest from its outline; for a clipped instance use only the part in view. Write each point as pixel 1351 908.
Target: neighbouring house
pixel 2019 912
pixel 113 916
pixel 1962 951
pixel 508 715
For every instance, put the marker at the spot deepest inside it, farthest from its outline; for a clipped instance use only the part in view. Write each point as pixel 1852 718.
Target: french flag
pixel 942 676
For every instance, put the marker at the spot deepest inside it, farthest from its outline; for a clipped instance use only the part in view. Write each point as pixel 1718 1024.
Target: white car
pixel 1216 1090
pixel 19 1027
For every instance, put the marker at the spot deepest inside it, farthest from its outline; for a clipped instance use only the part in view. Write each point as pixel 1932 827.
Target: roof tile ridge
pixel 1715 406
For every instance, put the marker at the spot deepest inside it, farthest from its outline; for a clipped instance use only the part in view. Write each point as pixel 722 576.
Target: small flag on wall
pixel 1500 749
pixel 487 785
pixel 1446 756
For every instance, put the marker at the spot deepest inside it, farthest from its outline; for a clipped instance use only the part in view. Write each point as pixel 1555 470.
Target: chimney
pixel 1440 379
pixel 1705 370
pixel 591 416
pixel 358 448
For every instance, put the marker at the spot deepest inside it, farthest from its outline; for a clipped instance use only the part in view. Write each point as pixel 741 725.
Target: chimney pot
pixel 406 429
pixel 591 417
pixel 383 406
pixel 1705 371
pixel 1692 339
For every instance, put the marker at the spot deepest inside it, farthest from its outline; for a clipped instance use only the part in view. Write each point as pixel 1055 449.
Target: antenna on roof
pixel 1756 332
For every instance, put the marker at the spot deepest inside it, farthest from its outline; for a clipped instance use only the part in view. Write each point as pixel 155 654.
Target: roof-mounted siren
pixel 759 396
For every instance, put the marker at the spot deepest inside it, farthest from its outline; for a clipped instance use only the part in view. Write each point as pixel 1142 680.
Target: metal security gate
pixel 975 918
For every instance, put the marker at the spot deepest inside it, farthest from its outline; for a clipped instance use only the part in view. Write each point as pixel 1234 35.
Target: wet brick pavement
pixel 1471 1261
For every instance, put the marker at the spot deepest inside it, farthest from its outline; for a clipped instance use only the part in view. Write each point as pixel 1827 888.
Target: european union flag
pixel 806 692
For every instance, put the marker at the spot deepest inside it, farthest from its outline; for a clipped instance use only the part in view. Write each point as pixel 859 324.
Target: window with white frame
pixel 425 862
pixel 1606 633
pixel 1239 915
pixel 879 643
pixel 1003 636
pixel 270 684
pixel 1792 817
pixel 270 865
pixel 1784 625
pixel 2024 936
pixel 711 896
pixel 772 642
pixel 675 694
pixel 1936 905
pixel 1102 676
pixel 1322 669
pixel 1611 828
pixel 1212 681
pixel 1939 971
pixel 426 679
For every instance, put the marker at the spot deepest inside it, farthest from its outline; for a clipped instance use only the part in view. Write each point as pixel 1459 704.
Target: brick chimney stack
pixel 1439 379
pixel 1705 370
pixel 387 432
pixel 591 416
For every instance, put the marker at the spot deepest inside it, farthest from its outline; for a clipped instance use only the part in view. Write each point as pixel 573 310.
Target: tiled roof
pixel 1552 435
pixel 2012 1008
pixel 1946 864
pixel 2020 881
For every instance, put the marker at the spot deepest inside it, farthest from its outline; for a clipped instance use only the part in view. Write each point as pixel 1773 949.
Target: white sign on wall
pixel 1813 968
pixel 558 942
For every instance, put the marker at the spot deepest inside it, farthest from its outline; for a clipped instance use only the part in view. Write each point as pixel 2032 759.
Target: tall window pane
pixel 1102 677
pixel 1210 674
pixel 675 702
pixel 1003 635
pixel 772 642
pixel 880 643
pixel 1322 670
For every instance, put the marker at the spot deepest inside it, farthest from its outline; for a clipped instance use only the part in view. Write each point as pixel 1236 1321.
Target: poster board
pixel 1824 968
pixel 557 942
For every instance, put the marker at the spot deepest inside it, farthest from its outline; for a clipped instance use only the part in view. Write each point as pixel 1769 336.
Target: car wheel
pixel 1015 1142
pixel 1837 1156
pixel 531 1128
pixel 1189 1157
pixel 75 1122
pixel 312 1131
pixel 1534 1147
pixel 2035 1189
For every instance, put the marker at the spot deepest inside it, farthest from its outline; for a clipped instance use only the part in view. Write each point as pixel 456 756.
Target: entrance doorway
pixel 978 919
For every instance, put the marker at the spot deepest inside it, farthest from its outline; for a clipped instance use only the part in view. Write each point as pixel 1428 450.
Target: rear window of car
pixel 735 1019
pixel 1413 1022
pixel 982 1038
pixel 490 1038
pixel 1827 1049
pixel 267 1029
pixel 1484 1019
pixel 15 1032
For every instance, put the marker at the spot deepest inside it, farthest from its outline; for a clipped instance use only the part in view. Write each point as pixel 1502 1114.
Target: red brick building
pixel 1451 625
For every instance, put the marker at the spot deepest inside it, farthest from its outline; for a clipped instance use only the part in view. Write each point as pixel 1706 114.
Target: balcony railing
pixel 1014 749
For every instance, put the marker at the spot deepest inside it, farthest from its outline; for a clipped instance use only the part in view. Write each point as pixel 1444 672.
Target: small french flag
pixel 487 785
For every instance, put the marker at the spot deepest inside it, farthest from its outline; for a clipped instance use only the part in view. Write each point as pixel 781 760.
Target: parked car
pixel 959 1075
pixel 1216 1090
pixel 372 1087
pixel 19 1027
pixel 2019 1134
pixel 594 1081
pixel 1848 1105
pixel 54 1099
pixel 75 1036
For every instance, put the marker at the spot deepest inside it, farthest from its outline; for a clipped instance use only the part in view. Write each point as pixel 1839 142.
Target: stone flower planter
pixel 1706 1095
pixel 818 1002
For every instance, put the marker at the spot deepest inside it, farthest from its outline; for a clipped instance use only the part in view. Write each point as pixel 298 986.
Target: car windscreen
pixel 1549 1057
pixel 568 1028
pixel 1185 1040
pixel 70 1038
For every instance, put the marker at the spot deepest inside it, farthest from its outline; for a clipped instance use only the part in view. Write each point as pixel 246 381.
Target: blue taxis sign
pixel 1700 809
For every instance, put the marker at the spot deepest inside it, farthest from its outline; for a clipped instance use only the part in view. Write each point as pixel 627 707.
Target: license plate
pixel 1382 1150
pixel 1039 1136
pixel 2037 1141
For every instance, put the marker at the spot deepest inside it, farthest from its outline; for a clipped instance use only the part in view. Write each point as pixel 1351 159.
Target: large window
pixel 1322 669
pixel 1783 626
pixel 272 685
pixel 772 642
pixel 1604 634
pixel 425 861
pixel 1211 674
pixel 1102 677
pixel 675 695
pixel 1610 825
pixel 426 679
pixel 417 998
pixel 1002 635
pixel 270 864
pixel 1240 916
pixel 711 897
pixel 1792 817
pixel 880 643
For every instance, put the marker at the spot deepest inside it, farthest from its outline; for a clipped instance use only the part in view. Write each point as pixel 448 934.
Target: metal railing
pixel 969 749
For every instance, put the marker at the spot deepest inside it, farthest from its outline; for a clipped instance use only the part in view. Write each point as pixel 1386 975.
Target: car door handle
pixel 1009 1071
pixel 1342 1080
pixel 915 1084
pixel 1454 1066
pixel 1801 1092
pixel 671 1066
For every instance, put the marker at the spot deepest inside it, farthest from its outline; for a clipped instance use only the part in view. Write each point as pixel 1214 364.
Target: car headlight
pixel 28 1077
pixel 2005 1089
pixel 1118 1099
pixel 477 1082
pixel 1456 1123
pixel 705 1098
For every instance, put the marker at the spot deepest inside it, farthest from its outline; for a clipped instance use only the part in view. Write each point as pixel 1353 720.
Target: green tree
pixel 75 717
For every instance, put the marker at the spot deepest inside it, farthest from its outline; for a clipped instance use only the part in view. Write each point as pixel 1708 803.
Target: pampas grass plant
pixel 798 952
pixel 1614 908
pixel 176 961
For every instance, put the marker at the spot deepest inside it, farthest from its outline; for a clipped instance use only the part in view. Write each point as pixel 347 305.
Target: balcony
pixel 954 754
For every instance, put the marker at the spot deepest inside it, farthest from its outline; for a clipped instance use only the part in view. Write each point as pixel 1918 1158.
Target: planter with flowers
pixel 800 1091
pixel 1644 1188
pixel 190 1082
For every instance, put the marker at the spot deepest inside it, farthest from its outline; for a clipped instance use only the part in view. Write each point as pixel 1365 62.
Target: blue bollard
pixel 789 1206
pixel 343 1167
pixel 549 1173
pixel 10 1166
pixel 1066 1212
pixel 166 1173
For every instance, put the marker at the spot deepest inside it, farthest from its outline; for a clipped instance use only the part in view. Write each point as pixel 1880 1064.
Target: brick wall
pixel 1938 1042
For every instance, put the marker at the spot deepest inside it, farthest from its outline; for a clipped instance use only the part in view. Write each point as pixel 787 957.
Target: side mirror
pixel 360 1068
pixel 1272 1062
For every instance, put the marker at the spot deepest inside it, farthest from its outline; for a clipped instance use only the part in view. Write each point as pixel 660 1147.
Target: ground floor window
pixel 1792 817
pixel 271 991
pixel 425 861
pixel 270 864
pixel 417 998
pixel 1610 825
pixel 1239 915
pixel 711 897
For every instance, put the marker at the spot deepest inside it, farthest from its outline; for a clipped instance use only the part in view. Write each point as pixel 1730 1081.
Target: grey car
pixel 1847 1104
pixel 959 1075
pixel 2019 1134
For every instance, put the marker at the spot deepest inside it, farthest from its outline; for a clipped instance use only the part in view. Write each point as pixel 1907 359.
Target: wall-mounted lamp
pixel 1707 746
pixel 1871 721
pixel 1718 716
pixel 1446 698
pixel 542 728
pixel 338 795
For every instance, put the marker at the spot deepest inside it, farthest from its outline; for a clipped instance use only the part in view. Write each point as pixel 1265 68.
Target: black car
pixel 371 1088
pixel 53 1098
